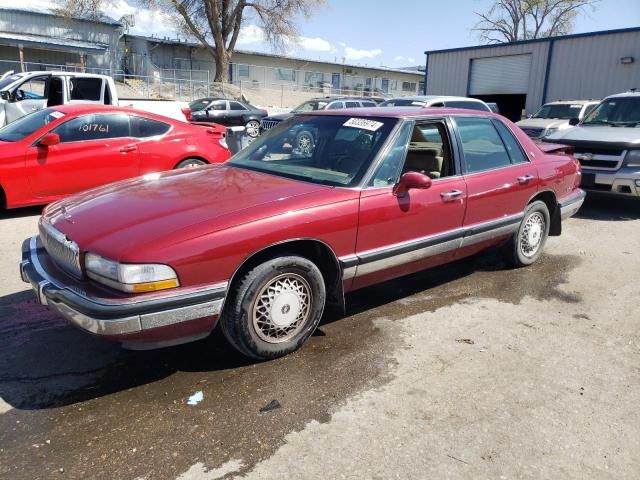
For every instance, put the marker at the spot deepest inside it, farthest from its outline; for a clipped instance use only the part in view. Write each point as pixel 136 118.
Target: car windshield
pixel 5 82
pixel 25 126
pixel 311 106
pixel 563 111
pixel 617 112
pixel 403 102
pixel 198 105
pixel 328 150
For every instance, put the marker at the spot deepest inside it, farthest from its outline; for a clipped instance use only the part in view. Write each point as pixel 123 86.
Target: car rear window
pixel 86 89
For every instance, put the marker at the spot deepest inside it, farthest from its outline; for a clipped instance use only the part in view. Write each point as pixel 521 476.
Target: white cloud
pixel 357 54
pixel 147 21
pixel 315 44
pixel 251 34
pixel 401 58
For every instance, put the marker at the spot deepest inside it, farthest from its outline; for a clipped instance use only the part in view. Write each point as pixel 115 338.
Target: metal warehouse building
pixel 521 76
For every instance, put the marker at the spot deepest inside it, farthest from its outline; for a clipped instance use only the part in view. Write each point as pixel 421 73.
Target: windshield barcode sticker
pixel 56 114
pixel 363 123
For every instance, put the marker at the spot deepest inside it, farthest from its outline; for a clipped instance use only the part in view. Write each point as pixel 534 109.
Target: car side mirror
pixel 49 140
pixel 574 121
pixel 411 180
pixel 5 95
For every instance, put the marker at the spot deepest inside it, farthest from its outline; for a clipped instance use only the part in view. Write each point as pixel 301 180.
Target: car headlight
pixel 550 131
pixel 632 159
pixel 130 277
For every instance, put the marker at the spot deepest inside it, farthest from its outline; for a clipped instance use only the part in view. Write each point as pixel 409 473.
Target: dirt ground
pixel 470 371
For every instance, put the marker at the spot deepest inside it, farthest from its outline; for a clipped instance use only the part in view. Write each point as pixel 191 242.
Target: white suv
pixel 556 116
pixel 437 101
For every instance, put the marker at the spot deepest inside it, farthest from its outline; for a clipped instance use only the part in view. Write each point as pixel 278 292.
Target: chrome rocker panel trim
pixel 569 206
pixel 406 252
pixel 115 317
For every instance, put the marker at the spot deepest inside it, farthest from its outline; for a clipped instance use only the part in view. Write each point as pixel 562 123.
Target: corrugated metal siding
pixel 448 72
pixel 589 67
pixel 500 75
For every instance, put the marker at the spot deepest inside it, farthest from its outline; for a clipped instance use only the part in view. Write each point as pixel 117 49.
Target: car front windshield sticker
pixel 363 123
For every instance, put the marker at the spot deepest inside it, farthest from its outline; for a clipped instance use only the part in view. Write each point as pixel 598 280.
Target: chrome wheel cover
pixel 305 143
pixel 282 308
pixel 532 234
pixel 252 128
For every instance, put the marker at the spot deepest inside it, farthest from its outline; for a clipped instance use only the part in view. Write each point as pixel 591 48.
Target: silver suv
pixel 607 144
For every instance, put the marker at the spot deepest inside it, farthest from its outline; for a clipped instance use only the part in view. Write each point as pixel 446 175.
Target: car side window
pixel 587 110
pixel 368 104
pixel 512 144
pixel 94 127
pixel 481 145
pixel 218 105
pixel 142 127
pixel 429 151
pixel 335 106
pixel 33 89
pixel 236 106
pixel 388 171
pixel 437 104
pixel 83 88
pixel 352 104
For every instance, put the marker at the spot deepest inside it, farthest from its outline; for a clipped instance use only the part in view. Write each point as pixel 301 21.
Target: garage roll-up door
pixel 500 75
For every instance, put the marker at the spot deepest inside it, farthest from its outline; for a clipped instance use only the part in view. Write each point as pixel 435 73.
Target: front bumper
pixel 146 321
pixel 621 182
pixel 569 206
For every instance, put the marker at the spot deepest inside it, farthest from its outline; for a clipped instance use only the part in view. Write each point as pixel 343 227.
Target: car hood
pixel 279 117
pixel 126 216
pixel 542 123
pixel 624 136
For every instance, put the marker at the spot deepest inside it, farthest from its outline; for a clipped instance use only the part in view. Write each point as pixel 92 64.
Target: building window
pixel 284 74
pixel 243 70
pixel 313 78
pixel 409 86
pixel 421 86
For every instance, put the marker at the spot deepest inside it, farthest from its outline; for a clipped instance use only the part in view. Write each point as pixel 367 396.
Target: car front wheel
pixel 253 128
pixel 528 242
pixel 275 307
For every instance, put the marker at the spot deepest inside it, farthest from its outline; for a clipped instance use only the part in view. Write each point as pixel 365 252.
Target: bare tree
pixel 216 24
pixel 512 20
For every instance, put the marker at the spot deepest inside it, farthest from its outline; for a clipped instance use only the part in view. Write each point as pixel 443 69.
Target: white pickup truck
pixel 23 93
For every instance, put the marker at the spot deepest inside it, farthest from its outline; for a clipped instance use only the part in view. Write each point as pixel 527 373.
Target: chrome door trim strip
pixel 406 252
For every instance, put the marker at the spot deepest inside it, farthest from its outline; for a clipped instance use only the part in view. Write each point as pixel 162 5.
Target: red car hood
pixel 126 216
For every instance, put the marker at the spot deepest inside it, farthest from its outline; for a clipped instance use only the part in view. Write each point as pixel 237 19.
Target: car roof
pixel 402 112
pixel 427 98
pixel 80 108
pixel 630 93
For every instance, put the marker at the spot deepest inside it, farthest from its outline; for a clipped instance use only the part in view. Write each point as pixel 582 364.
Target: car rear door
pixel 401 234
pixel 499 177
pixel 94 149
pixel 236 113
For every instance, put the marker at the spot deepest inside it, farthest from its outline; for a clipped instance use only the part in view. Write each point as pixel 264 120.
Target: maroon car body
pixel 256 247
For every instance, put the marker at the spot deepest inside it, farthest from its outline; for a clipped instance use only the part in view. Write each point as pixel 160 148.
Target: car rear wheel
pixel 305 142
pixel 252 128
pixel 526 245
pixel 191 163
pixel 275 307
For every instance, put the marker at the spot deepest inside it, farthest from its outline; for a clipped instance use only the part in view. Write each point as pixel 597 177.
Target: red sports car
pixel 63 150
pixel 263 242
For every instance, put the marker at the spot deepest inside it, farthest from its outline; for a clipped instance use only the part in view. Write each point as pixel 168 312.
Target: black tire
pixel 305 142
pixel 247 322
pixel 191 163
pixel 252 128
pixel 527 244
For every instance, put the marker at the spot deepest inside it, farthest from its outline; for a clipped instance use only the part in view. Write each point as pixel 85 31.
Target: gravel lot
pixel 466 371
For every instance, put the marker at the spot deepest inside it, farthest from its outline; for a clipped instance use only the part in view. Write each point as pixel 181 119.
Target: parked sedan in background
pixel 556 116
pixel 262 243
pixel 66 149
pixel 230 113
pixel 424 101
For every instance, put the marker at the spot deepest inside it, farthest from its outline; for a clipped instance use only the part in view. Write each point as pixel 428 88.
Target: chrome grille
pixel 533 132
pixel 267 124
pixel 64 252
pixel 599 161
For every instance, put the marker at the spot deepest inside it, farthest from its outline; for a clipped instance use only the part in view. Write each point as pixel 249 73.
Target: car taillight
pixel 218 135
pixel 187 113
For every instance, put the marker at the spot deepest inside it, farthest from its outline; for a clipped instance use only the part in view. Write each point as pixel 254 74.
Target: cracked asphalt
pixel 470 370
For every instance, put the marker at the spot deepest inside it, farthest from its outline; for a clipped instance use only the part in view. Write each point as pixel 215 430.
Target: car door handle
pixel 525 178
pixel 452 195
pixel 128 149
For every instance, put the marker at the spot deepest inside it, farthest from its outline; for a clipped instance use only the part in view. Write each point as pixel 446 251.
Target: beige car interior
pixel 426 156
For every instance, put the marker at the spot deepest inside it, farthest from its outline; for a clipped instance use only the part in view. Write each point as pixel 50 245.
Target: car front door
pixel 30 96
pixel 94 149
pixel 500 181
pixel 403 233
pixel 217 112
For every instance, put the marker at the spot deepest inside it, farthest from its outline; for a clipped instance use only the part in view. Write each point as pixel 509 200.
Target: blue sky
pixel 372 32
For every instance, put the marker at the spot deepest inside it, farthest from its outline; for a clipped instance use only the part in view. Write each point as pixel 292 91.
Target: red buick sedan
pixel 262 243
pixel 63 150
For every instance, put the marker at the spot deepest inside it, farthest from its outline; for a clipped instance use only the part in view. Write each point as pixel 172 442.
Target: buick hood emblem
pixel 66 215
